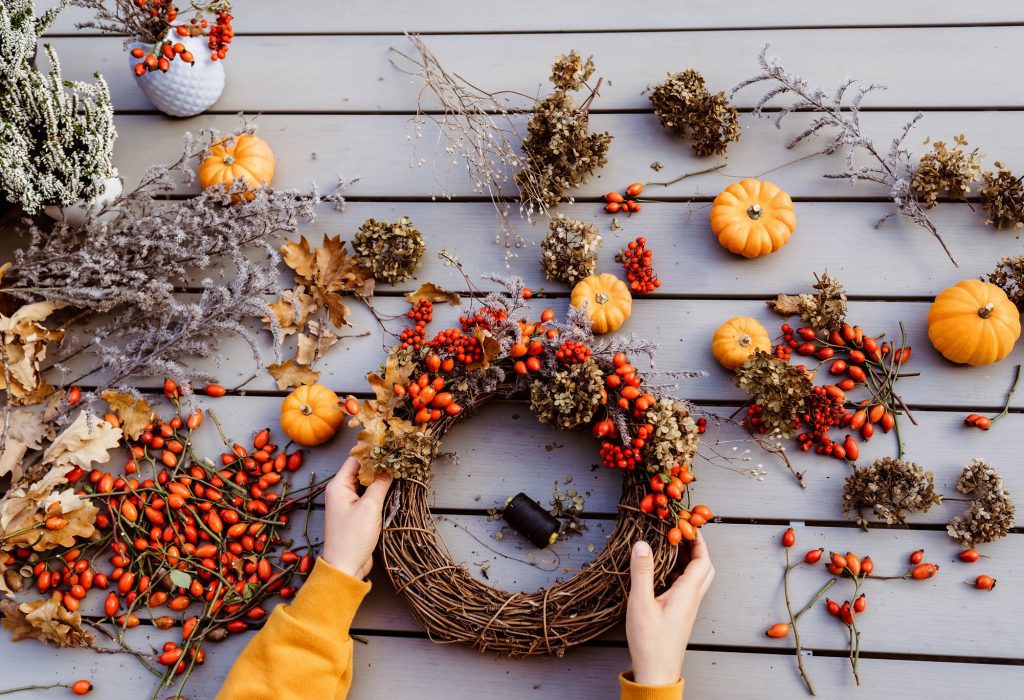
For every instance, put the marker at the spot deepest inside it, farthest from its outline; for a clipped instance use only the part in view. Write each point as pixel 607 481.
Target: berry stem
pixel 20 689
pixel 792 624
pixel 1009 395
pixel 686 175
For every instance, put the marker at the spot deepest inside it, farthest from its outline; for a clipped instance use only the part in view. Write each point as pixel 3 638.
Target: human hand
pixel 352 523
pixel 658 628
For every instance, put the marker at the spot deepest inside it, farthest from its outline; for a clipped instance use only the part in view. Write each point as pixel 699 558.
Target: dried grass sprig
pixel 891 166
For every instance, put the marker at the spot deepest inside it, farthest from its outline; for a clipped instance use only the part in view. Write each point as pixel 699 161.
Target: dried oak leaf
pixel 292 310
pixel 24 507
pixel 45 620
pixel 88 439
pixel 25 342
pixel 25 431
pixel 490 346
pixel 299 256
pixel 312 346
pixel 336 270
pixel 134 411
pixel 376 416
pixel 431 292
pixel 395 372
pixel 785 304
pixel 290 374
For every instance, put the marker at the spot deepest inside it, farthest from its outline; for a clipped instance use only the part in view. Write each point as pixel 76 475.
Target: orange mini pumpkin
pixel 311 415
pixel 737 339
pixel 245 156
pixel 753 218
pixel 973 323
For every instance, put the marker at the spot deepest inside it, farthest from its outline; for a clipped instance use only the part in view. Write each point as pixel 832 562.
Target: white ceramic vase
pixel 184 90
pixel 75 214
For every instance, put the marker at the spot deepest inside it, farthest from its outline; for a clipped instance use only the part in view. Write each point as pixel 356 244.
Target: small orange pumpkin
pixel 973 323
pixel 737 339
pixel 608 301
pixel 311 415
pixel 753 218
pixel 245 156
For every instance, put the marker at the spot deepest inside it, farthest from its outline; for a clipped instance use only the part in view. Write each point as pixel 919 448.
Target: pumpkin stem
pixel 986 310
pixel 601 297
pixel 306 409
pixel 754 211
pixel 229 160
pixel 744 341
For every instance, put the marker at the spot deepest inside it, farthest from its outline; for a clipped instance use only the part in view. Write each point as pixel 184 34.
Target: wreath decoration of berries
pixel 572 380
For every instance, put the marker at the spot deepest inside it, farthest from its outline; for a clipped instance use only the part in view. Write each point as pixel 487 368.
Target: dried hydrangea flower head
pixel 824 310
pixel 570 398
pixel 1009 276
pixel 779 388
pixel 990 515
pixel 946 171
pixel 570 72
pixel 561 153
pixel 392 250
pixel 58 135
pixel 891 488
pixel 684 104
pixel 675 437
pixel 569 251
pixel 1002 197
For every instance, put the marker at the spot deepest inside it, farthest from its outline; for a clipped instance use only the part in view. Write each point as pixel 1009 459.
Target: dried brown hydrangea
pixel 1002 197
pixel 569 251
pixel 1009 276
pixel 561 152
pixel 570 398
pixel 392 250
pixel 891 488
pixel 824 310
pixel 684 104
pixel 990 515
pixel 675 437
pixel 779 388
pixel 945 170
pixel 570 72
pixel 406 456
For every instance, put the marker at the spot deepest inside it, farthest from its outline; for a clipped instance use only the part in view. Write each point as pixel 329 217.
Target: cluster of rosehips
pixel 616 202
pixel 218 527
pixel 572 352
pixel 976 421
pixel 453 344
pixel 221 34
pixel 530 347
pixel 161 56
pixel 422 313
pixel 636 259
pixel 486 318
pixel 427 395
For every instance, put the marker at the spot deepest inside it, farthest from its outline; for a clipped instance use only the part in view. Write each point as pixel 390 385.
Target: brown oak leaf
pixel 395 372
pixel 290 374
pixel 134 411
pixel 336 270
pixel 25 431
pixel 292 310
pixel 25 342
pixel 298 256
pixel 785 304
pixel 490 346
pixel 88 439
pixel 311 347
pixel 45 620
pixel 431 292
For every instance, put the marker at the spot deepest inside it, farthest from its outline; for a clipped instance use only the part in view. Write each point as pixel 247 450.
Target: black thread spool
pixel 530 520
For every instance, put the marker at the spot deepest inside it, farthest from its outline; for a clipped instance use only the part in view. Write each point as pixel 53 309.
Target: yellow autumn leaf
pixel 290 374
pixel 134 411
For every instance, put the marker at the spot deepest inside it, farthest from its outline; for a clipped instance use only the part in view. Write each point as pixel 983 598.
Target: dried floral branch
pixel 891 168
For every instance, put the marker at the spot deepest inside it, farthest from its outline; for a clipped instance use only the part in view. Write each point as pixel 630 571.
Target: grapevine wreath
pixel 428 385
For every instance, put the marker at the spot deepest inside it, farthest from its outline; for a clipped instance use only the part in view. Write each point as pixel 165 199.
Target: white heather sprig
pixel 892 167
pixel 56 135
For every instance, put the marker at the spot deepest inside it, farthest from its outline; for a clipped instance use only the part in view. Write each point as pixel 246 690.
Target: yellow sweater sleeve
pixel 635 691
pixel 304 650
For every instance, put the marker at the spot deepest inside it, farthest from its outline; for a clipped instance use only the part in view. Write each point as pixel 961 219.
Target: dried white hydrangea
pixel 569 251
pixel 991 513
pixel 675 438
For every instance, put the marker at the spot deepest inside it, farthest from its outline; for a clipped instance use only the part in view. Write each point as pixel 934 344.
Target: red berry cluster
pixel 221 35
pixel 702 425
pixel 783 352
pixel 451 342
pixel 636 259
pixel 824 411
pixel 572 353
pixel 422 313
pixel 161 57
pixel 977 421
pixel 487 318
pixel 617 456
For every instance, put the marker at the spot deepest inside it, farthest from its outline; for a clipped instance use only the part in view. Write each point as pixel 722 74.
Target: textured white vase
pixel 184 90
pixel 74 214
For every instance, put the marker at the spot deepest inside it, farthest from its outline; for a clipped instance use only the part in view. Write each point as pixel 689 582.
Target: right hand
pixel 658 627
pixel 352 522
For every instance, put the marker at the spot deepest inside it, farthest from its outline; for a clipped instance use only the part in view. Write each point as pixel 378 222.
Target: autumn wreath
pixel 427 385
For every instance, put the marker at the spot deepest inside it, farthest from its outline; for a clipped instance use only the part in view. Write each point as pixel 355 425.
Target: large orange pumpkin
pixel 246 156
pixel 973 323
pixel 752 218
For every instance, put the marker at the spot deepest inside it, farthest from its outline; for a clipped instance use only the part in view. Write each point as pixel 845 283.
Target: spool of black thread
pixel 528 518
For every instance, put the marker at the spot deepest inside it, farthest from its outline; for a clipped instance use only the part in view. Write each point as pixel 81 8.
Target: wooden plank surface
pixel 341 74
pixel 374 148
pixel 490 16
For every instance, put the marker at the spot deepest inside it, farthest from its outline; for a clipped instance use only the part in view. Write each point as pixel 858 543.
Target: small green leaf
pixel 180 578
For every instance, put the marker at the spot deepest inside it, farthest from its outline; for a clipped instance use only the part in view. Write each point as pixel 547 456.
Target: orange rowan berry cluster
pixel 636 259
pixel 221 34
pixel 453 343
pixel 422 313
pixel 486 318
pixel 572 352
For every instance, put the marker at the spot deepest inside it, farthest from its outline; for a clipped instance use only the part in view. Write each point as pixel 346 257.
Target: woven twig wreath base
pixel 453 606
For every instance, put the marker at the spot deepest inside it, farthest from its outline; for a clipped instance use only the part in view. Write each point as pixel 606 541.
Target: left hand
pixel 352 523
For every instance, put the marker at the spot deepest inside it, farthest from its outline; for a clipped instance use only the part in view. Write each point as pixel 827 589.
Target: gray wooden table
pixel 332 104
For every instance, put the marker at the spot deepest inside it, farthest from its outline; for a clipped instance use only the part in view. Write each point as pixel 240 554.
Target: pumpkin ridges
pixel 961 335
pixel 738 233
